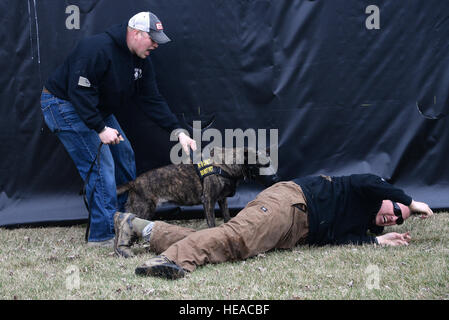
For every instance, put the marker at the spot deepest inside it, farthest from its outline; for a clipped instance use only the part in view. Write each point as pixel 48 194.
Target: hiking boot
pixel 125 236
pixel 161 266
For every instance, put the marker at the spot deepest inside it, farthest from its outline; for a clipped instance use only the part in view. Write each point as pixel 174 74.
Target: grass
pixel 54 264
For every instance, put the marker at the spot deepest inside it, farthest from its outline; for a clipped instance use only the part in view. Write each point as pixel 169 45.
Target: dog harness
pixel 206 168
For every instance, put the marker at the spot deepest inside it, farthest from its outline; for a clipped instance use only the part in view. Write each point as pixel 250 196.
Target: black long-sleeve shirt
pixel 102 76
pixel 342 210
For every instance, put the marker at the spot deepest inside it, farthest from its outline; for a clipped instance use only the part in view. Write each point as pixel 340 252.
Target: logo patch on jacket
pixel 137 73
pixel 84 82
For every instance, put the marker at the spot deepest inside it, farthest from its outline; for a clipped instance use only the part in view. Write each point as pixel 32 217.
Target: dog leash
pixel 86 203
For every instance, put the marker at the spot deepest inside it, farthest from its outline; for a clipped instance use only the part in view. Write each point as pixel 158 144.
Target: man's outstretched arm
pixel 421 208
pixel 394 239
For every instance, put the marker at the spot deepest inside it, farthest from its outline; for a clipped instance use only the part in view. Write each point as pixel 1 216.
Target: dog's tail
pixel 124 187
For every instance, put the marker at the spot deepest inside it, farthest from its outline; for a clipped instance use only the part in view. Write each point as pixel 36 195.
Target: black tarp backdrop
pixel 342 96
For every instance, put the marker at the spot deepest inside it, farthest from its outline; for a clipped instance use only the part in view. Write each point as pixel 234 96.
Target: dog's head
pixel 249 163
pixel 260 167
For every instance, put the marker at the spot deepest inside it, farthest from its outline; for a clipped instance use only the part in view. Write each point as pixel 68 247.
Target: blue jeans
pixel 117 164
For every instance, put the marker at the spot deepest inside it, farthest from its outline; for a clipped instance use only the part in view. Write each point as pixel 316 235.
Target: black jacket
pixel 101 75
pixel 342 210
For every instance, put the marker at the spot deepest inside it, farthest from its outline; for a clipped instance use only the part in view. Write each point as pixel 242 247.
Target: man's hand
pixel 421 207
pixel 186 142
pixel 394 239
pixel 110 136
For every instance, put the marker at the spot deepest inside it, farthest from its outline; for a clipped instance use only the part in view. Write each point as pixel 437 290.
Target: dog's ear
pixel 263 158
pixel 250 153
pixel 245 154
pixel 265 152
pixel 218 154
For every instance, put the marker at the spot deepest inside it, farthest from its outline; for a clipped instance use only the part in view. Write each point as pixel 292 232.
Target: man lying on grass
pixel 315 210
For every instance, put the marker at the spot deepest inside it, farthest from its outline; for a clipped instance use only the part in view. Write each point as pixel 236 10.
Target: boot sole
pixel 171 272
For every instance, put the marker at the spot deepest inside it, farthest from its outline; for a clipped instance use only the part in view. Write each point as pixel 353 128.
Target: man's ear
pixel 131 35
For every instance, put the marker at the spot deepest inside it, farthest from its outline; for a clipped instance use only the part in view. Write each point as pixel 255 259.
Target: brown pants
pixel 271 221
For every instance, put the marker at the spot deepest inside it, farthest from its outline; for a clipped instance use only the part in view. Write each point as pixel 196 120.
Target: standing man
pixel 313 210
pixel 107 72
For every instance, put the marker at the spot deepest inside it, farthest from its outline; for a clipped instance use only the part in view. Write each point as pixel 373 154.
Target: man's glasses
pixel 398 213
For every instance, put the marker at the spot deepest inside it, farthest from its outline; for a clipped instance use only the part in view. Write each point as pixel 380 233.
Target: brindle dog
pixel 182 184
